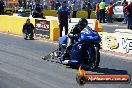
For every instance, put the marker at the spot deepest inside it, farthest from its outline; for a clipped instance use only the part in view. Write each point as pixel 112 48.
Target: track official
pixel 63 16
pixel 102 11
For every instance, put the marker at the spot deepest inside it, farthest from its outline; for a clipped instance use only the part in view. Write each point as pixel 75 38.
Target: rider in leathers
pixel 75 31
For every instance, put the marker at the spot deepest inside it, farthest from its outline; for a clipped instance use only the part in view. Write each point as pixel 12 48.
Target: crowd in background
pixel 127 9
pixel 1 7
pixel 104 12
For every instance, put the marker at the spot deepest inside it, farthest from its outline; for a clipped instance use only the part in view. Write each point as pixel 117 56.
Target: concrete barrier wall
pixel 9 11
pixel 14 25
pixel 83 14
pixel 54 31
pixel 80 14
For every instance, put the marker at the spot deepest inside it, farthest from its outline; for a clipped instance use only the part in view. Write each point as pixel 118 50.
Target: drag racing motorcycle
pixel 84 51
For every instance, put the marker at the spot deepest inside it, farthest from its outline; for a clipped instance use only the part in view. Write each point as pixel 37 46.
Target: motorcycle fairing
pixel 89 35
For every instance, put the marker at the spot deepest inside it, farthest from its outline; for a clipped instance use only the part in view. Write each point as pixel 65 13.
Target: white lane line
pixel 122 26
pixel 110 25
pixel 114 25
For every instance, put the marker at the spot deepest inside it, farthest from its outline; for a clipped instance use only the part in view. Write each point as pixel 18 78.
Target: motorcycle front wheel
pixel 94 59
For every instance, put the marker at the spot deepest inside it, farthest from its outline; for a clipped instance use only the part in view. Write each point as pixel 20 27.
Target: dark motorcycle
pixel 84 50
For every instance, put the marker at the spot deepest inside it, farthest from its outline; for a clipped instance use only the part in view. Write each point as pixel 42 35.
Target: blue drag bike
pixel 84 51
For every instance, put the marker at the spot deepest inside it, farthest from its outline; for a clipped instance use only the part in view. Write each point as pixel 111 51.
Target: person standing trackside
pixel 63 15
pixel 129 14
pixel 125 3
pixel 57 4
pixel 32 7
pixel 110 12
pixel 102 11
pixel 74 9
pixel 1 7
pixel 97 11
pixel 69 4
pixel 38 12
pixel 45 4
pixel 88 9
pixel 51 4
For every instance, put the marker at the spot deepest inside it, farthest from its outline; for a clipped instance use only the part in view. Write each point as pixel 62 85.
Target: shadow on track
pixel 52 57
pixel 110 71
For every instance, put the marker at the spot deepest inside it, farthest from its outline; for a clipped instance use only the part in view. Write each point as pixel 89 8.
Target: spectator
pixel 15 9
pixel 63 15
pixel 94 6
pixel 89 9
pixel 38 11
pixel 27 3
pixel 28 30
pixel 74 9
pixel 82 4
pixel 129 14
pixel 125 3
pixel 45 4
pixel 51 4
pixel 78 4
pixel 20 3
pixel 69 4
pixel 38 7
pixel 57 5
pixel 35 14
pixel 102 11
pixel 32 7
pixel 24 5
pixel 110 12
pixel 2 7
pixel 97 11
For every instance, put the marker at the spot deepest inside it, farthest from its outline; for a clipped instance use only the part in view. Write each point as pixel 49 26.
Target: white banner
pixel 117 42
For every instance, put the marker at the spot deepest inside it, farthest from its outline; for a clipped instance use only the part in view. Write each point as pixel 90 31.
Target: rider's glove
pixel 76 35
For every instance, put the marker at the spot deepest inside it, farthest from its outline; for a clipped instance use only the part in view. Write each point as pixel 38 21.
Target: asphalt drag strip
pixel 22 66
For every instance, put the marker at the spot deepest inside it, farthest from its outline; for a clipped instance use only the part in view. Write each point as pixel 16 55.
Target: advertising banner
pixel 118 42
pixel 42 28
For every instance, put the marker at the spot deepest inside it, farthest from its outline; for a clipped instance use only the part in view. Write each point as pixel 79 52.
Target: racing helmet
pixel 82 23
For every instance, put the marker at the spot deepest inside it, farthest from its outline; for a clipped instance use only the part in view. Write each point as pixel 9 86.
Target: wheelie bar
pixel 52 57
